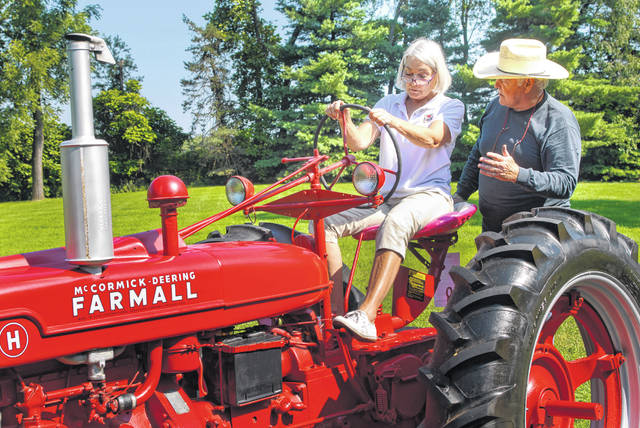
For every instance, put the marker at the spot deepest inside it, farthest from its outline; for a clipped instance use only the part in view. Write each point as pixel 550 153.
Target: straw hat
pixel 519 59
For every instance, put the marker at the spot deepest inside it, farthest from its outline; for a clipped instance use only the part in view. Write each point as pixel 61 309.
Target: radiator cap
pixel 167 191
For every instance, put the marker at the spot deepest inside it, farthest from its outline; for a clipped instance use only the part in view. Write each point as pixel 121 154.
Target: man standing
pixel 528 151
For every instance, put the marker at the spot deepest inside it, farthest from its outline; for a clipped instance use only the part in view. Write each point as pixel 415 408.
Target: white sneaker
pixel 358 324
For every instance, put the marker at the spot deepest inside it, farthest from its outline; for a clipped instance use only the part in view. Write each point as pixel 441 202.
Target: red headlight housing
pixel 368 178
pixel 238 189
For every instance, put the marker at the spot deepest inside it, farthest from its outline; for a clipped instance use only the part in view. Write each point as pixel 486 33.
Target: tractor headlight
pixel 368 178
pixel 238 189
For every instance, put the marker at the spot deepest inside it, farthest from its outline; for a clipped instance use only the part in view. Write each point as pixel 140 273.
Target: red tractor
pixel 235 331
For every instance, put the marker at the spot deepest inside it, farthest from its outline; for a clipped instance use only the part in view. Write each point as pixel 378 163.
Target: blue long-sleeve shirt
pixel 548 157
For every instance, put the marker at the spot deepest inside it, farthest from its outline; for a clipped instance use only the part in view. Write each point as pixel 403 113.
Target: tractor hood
pixel 52 308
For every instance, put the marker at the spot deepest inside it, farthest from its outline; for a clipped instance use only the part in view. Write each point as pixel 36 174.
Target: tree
pixel 390 47
pixel 208 94
pixel 15 158
pixel 114 76
pixel 609 88
pixel 430 19
pixel 550 21
pixel 329 55
pixel 608 33
pixel 207 90
pixel 211 159
pixel 165 155
pixel 34 73
pixel 120 120
pixel 608 117
pixel 474 93
pixel 251 46
pixel 268 92
pixel 412 19
pixel 453 24
pixel 473 18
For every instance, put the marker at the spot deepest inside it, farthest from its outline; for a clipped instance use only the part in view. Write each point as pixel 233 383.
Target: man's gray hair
pixel 429 53
pixel 541 83
pixel 538 83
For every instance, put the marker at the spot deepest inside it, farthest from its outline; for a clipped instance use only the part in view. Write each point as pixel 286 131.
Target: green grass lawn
pixel 29 226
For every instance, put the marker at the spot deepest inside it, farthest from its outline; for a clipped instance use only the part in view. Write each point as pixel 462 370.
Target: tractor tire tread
pixel 485 332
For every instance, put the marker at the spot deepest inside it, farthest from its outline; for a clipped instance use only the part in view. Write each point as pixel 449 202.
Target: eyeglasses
pixel 418 79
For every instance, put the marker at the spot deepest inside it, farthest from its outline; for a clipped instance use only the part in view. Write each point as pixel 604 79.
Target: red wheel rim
pixel 553 380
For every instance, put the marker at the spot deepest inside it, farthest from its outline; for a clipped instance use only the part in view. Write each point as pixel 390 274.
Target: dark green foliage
pixel 33 81
pixel 207 90
pixel 16 161
pixel 165 156
pixel 119 120
pixel 211 159
pixel 608 121
pixel 550 21
pixel 607 32
pixel 329 57
pixel 253 48
pixel 276 89
pixel 465 142
pixel 431 19
pixel 143 141
pixel 605 92
pixel 114 76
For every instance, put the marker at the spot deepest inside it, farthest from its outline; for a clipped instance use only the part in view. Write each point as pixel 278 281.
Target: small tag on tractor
pixel 445 288
pixel 412 292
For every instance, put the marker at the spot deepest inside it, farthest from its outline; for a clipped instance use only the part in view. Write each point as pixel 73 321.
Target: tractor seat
pixel 443 225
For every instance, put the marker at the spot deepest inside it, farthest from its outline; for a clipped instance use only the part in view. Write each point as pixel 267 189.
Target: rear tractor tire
pixel 498 362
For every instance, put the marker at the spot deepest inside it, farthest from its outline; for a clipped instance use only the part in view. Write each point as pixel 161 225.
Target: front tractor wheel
pixel 542 329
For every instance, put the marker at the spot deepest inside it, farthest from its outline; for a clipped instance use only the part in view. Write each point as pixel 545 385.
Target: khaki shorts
pixel 400 219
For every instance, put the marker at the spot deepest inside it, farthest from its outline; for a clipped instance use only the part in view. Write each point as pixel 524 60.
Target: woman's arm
pixel 435 135
pixel 444 128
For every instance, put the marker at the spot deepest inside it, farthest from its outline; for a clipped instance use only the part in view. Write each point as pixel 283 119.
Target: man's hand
pixel 502 167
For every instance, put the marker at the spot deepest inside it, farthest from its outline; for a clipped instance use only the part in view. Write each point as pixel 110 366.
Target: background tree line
pixel 256 92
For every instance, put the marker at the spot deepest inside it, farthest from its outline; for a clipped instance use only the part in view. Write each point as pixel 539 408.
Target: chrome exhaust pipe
pixel 85 165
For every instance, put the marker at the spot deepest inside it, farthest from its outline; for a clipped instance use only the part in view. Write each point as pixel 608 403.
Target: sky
pixel 154 32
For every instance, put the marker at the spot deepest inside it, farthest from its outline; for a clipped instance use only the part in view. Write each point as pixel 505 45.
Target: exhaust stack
pixel 85 165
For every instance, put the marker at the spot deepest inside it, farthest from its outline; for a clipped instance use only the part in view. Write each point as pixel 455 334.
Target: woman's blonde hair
pixel 429 53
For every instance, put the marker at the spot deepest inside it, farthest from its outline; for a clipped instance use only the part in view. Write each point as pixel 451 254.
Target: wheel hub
pixel 553 380
pixel 549 381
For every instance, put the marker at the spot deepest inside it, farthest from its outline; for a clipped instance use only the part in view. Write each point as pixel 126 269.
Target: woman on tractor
pixel 425 123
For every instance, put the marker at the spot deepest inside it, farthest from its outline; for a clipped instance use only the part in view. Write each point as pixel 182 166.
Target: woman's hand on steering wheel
pixel 381 117
pixel 333 110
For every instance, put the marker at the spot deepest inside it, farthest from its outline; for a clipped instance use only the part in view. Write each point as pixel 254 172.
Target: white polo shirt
pixel 422 168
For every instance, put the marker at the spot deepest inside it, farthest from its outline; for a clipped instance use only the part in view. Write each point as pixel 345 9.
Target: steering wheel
pixel 346 149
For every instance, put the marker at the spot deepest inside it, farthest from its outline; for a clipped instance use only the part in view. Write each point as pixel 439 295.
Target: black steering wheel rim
pixel 388 196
